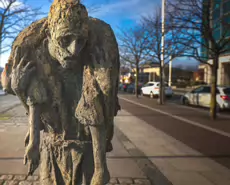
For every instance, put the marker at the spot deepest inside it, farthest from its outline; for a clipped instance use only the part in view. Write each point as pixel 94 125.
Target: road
pixel 176 100
pixel 188 125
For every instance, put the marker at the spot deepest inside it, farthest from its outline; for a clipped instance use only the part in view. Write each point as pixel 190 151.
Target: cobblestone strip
pixel 19 180
pixel 34 180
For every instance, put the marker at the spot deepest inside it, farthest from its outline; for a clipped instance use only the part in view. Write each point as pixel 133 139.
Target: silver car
pixel 201 96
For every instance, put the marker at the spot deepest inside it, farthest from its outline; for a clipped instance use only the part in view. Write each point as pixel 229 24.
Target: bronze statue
pixel 65 70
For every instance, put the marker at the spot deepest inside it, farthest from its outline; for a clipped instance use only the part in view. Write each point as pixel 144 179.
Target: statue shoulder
pixel 28 39
pixel 31 36
pixel 100 28
pixel 103 44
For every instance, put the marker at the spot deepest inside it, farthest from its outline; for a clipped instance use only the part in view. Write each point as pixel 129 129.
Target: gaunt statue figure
pixel 65 70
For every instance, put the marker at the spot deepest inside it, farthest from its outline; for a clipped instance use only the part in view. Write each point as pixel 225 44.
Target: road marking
pixel 197 109
pixel 180 118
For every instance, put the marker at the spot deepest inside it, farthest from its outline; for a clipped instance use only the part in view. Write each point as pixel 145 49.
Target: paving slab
pixel 179 163
pixel 8 101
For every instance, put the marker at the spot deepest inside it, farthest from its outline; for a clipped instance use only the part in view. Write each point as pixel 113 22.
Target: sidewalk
pixel 7 102
pixel 122 166
pixel 180 164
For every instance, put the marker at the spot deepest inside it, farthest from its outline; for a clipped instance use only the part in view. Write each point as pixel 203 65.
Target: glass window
pixel 227 91
pixel 226 19
pixel 227 47
pixel 216 34
pixel 226 7
pixel 197 90
pixel 206 90
pixel 148 84
pixel 216 13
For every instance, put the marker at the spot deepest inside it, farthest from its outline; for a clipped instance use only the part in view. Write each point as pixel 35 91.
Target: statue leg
pixel 87 164
pixel 101 175
pixel 109 137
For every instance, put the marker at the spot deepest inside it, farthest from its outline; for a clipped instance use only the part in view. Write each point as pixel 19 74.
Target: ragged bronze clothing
pixel 66 162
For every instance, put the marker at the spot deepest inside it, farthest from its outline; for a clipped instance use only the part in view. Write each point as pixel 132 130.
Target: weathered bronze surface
pixel 65 70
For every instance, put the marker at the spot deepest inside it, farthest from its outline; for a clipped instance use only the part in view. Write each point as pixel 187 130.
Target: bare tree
pixel 172 47
pixel 14 16
pixel 133 43
pixel 204 23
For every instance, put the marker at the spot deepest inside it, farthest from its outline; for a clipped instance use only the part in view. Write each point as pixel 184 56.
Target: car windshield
pixel 158 84
pixel 227 91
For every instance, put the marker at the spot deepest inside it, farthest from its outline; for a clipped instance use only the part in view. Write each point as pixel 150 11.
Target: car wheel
pixel 185 101
pixel 141 93
pixel 151 95
pixel 169 96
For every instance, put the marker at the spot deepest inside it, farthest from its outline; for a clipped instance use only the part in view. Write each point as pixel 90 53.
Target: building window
pixel 227 47
pixel 216 34
pixel 216 14
pixel 226 7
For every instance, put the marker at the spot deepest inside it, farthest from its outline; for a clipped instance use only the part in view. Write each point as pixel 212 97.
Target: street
pixel 190 126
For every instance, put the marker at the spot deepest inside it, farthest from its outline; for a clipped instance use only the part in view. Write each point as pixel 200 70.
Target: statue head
pixel 67 31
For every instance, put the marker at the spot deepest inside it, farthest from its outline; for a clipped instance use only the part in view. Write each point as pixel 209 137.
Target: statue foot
pixel 97 179
pixel 109 147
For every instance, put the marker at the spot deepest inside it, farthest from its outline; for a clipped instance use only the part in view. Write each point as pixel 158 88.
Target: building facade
pixel 220 23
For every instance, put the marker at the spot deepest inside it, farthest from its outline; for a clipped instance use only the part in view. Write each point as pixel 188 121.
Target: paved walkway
pixel 13 127
pixel 179 163
pixel 8 101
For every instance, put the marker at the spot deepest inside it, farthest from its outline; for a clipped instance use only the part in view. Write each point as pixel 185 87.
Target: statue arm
pixel 32 154
pixel 34 125
pixel 36 98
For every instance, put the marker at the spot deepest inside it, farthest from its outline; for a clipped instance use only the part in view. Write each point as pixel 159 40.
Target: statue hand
pixel 21 73
pixel 32 157
pixel 27 139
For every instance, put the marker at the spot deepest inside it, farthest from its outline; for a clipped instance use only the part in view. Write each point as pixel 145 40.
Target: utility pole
pixel 170 71
pixel 161 100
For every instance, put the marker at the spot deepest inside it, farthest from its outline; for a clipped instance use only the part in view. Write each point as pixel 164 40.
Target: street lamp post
pixel 170 71
pixel 161 100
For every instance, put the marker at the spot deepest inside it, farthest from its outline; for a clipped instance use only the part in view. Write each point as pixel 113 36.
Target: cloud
pixel 114 8
pixel 4 58
pixel 132 9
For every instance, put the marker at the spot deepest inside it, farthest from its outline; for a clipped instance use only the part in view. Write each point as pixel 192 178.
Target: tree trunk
pixel 161 90
pixel 213 105
pixel 136 80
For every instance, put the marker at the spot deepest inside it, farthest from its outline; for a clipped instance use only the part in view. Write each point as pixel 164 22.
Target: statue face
pixel 66 43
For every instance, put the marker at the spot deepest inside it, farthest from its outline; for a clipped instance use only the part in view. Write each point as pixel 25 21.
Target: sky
pixel 118 13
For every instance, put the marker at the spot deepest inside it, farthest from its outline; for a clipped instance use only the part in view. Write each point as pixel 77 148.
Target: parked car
pixel 2 92
pixel 131 88
pixel 123 87
pixel 152 89
pixel 120 87
pixel 201 96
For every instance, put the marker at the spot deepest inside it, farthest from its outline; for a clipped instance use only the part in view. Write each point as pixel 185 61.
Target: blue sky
pixel 118 13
